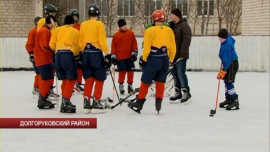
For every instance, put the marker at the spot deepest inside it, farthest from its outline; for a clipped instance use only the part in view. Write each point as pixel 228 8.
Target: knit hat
pixel 121 22
pixel 36 20
pixel 177 12
pixel 69 20
pixel 223 33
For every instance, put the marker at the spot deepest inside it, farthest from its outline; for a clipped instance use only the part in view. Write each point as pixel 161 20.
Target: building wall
pixel 17 16
pixel 256 17
pixel 253 53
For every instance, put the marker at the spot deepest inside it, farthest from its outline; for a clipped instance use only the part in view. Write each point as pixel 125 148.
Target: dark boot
pixel 67 106
pixel 225 103
pixel 121 88
pixel 86 105
pixel 158 104
pixel 97 107
pixel 43 103
pixel 234 104
pixel 79 87
pixel 177 95
pixel 130 88
pixel 137 105
pixel 186 96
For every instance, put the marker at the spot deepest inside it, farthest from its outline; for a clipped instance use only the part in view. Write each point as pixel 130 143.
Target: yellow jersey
pixel 93 32
pixel 65 38
pixel 158 36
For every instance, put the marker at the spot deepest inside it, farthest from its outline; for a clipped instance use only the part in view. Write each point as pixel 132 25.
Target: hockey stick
pixel 56 83
pixel 212 112
pixel 113 76
pixel 114 85
pixel 122 100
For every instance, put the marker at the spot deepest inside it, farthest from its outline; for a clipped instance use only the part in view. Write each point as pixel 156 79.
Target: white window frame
pixel 182 5
pixel 156 7
pixel 208 8
pixel 123 8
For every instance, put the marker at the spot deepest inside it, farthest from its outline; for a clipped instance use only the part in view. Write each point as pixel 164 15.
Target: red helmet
pixel 158 15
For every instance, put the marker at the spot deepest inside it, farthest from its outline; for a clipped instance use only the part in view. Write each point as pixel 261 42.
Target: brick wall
pixel 256 17
pixel 17 16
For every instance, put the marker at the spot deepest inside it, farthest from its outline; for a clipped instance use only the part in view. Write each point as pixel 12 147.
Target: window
pixel 126 7
pixel 205 7
pixel 151 6
pixel 180 4
pixel 102 5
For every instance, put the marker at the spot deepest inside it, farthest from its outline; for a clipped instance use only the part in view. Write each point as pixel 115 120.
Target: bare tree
pixel 111 16
pixel 229 11
pixel 193 14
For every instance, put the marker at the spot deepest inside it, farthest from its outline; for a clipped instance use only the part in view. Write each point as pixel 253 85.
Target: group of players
pixel 75 50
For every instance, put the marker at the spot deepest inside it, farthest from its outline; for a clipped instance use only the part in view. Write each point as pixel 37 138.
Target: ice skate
pixel 130 88
pixel 52 95
pixel 176 99
pixel 158 104
pixel 86 106
pixel 78 87
pixel 233 104
pixel 137 105
pixel 43 103
pixel 67 106
pixel 225 103
pixel 97 107
pixel 121 89
pixel 186 98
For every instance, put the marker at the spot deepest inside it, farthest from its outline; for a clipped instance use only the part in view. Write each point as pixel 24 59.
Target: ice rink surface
pixel 178 127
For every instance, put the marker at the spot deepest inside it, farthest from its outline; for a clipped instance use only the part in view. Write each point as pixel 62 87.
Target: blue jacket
pixel 227 52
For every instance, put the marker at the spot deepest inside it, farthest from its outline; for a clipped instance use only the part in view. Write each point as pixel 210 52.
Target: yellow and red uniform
pixel 93 32
pixel 29 46
pixel 66 38
pixel 97 37
pixel 158 37
pixel 43 57
pixel 123 43
pixel 40 23
pixel 42 53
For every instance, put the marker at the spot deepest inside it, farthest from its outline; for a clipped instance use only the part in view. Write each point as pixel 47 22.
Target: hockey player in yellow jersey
pixel 65 42
pixel 159 51
pixel 93 43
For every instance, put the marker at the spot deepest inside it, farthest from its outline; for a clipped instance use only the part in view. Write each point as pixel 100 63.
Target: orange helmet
pixel 158 15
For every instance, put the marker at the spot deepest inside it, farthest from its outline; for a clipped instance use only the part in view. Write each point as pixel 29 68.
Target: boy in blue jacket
pixel 229 59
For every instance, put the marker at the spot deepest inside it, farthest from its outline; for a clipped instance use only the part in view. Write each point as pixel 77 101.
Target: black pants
pixel 230 75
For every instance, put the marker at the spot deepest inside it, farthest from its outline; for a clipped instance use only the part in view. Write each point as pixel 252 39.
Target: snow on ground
pixel 185 128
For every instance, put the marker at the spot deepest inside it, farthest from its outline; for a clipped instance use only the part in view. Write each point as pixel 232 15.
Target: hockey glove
pixel 78 59
pixel 221 74
pixel 134 56
pixel 142 63
pixel 107 61
pixel 31 58
pixel 113 59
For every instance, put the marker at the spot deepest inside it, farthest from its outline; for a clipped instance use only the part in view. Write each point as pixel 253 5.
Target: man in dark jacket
pixel 182 34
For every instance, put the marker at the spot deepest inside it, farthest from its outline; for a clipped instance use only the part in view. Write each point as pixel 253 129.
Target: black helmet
pixel 93 10
pixel 74 12
pixel 36 20
pixel 49 8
